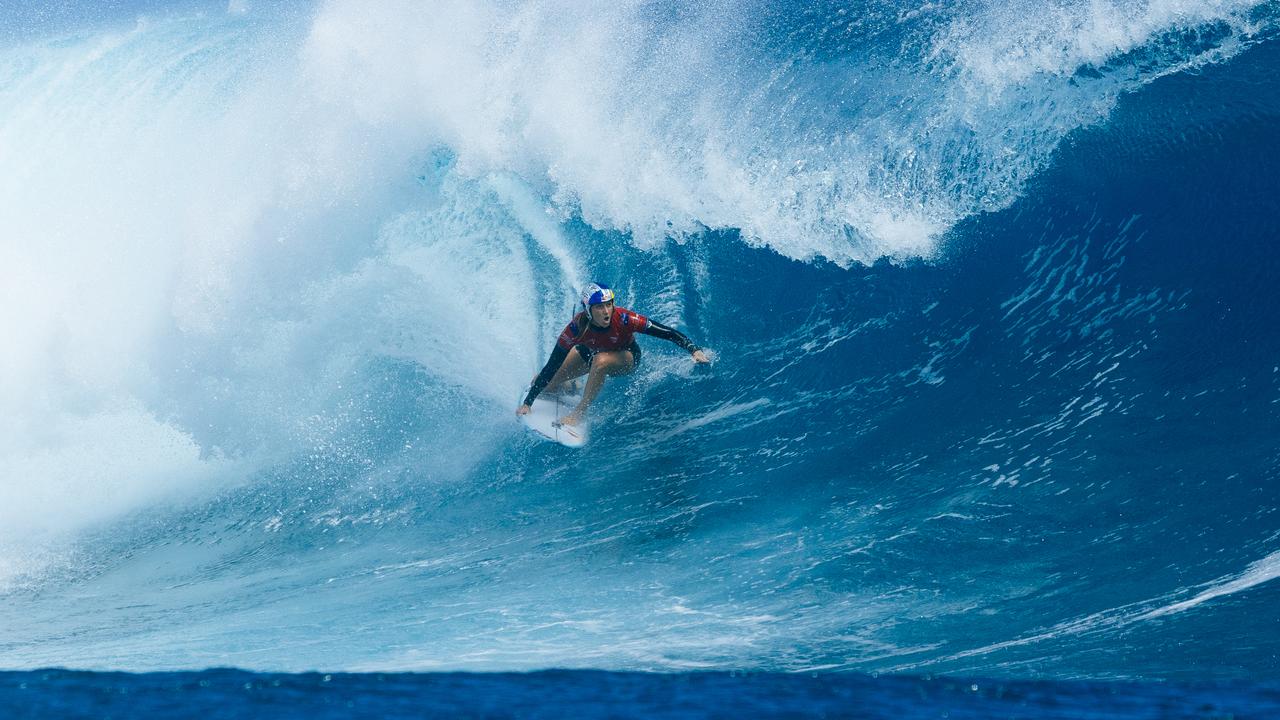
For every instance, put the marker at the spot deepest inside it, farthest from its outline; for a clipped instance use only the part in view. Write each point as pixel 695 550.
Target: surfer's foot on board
pixel 571 420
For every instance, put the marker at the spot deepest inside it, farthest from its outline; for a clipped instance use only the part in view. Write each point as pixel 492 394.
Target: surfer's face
pixel 601 312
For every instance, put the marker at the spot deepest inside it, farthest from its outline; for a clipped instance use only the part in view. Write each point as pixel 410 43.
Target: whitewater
pixel 991 290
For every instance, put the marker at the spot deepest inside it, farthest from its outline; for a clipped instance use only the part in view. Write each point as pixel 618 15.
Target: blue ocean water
pixel 593 693
pixel 991 291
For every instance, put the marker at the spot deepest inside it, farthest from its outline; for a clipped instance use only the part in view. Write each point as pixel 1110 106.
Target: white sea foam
pixel 1006 46
pixel 665 129
pixel 76 471
pixel 200 253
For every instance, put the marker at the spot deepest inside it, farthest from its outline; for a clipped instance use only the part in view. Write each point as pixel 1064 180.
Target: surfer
pixel 599 341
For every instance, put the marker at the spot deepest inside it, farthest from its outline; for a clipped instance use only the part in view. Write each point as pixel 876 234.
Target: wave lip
pixel 660 130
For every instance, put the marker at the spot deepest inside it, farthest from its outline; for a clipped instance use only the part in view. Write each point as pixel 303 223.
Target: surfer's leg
pixel 574 365
pixel 617 362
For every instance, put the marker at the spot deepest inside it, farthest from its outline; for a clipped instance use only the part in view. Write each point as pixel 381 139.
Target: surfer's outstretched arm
pixel 670 334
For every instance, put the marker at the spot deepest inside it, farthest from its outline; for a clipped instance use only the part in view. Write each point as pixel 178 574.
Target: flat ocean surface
pixel 992 291
pixel 216 694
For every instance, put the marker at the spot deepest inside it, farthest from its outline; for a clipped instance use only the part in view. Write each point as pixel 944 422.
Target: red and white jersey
pixel 623 326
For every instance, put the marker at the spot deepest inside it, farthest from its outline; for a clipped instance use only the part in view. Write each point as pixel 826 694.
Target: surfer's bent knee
pixel 619 362
pixel 614 362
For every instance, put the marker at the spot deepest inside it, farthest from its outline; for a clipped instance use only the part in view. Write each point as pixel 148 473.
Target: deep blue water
pixel 992 292
pixel 590 694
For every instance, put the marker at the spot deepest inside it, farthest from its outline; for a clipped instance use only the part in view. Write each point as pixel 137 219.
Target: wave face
pixel 992 292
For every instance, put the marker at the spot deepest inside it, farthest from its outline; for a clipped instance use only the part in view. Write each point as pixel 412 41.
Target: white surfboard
pixel 547 409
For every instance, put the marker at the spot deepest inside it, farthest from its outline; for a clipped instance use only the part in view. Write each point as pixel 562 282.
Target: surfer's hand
pixel 700 357
pixel 522 410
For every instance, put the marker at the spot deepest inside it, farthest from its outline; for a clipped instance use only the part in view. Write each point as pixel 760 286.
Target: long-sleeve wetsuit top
pixel 620 334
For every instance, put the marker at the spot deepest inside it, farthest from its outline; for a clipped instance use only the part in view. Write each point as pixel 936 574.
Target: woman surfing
pixel 599 341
